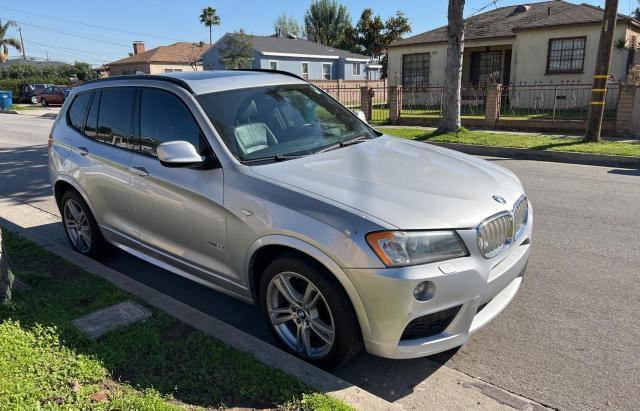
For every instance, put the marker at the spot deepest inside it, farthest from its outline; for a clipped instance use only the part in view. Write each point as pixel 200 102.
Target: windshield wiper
pixel 277 157
pixel 344 143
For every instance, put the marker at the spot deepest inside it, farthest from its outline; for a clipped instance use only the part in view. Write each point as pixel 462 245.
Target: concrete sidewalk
pixel 445 388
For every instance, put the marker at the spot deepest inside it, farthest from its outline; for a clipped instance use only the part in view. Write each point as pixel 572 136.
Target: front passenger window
pixel 163 118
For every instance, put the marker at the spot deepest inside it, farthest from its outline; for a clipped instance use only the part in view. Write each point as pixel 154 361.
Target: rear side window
pixel 91 126
pixel 164 117
pixel 115 116
pixel 78 110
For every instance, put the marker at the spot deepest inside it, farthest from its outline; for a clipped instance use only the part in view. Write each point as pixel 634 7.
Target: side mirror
pixel 178 154
pixel 361 116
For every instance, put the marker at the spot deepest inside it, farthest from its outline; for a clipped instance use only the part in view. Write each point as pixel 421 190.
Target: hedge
pixel 13 75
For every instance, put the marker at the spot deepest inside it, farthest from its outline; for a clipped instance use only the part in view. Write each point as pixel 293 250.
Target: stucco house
pixel 307 59
pixel 548 42
pixel 181 56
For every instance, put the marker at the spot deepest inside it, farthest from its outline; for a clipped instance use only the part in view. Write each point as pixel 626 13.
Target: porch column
pixel 339 86
pixel 365 101
pixel 395 103
pixel 625 109
pixel 492 105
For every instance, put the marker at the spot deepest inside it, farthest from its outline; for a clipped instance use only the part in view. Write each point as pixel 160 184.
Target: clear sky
pixel 55 27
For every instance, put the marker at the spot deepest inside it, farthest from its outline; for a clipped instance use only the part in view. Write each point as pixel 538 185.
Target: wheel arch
pixel 62 185
pixel 270 247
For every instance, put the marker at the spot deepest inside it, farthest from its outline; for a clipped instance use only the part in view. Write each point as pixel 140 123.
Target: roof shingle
pixel 284 44
pixel 179 53
pixel 506 21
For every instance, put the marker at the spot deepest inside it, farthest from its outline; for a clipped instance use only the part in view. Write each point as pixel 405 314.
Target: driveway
pixel 569 340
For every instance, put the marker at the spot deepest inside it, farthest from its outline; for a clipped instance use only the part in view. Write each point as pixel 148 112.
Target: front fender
pixel 322 258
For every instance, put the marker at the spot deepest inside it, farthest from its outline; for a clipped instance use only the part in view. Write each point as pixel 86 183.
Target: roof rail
pixel 284 73
pixel 174 80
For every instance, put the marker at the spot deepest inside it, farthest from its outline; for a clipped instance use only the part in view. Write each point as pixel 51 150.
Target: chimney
pixel 138 47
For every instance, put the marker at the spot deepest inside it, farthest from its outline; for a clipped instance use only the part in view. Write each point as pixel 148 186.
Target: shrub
pixel 13 75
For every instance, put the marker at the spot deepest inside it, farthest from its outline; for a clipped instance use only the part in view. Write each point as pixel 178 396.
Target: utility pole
pixel 24 53
pixel 603 60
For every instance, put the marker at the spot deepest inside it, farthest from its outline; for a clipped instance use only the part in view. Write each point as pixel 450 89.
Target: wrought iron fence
pixel 427 101
pixel 379 105
pixel 562 101
pixel 349 97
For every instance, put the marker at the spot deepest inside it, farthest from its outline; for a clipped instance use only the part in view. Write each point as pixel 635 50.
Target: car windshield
pixel 273 122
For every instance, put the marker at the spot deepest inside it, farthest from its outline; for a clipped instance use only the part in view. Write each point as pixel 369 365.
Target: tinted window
pixel 78 110
pixel 163 117
pixel 91 126
pixel 115 116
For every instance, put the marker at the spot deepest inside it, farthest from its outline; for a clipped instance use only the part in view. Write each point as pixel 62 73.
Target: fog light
pixel 424 291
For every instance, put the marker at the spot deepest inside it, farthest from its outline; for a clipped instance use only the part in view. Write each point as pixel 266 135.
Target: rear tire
pixel 34 100
pixel 80 226
pixel 320 325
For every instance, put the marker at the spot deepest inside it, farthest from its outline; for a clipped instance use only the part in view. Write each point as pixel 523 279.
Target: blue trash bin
pixel 6 99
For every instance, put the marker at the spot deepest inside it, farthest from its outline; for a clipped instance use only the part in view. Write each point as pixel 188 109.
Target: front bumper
pixel 469 283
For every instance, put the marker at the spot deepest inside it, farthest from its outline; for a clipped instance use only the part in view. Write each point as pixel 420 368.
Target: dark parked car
pixel 53 95
pixel 28 92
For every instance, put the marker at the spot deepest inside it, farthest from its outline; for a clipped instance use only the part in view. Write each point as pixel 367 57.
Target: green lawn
pixel 161 364
pixel 532 141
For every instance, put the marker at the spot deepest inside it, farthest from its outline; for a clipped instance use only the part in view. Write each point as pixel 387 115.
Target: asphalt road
pixel 570 339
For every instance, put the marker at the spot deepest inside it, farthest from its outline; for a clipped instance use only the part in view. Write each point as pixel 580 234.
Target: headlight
pixel 400 248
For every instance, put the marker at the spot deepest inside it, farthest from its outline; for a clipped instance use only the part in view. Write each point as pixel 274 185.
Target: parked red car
pixel 53 95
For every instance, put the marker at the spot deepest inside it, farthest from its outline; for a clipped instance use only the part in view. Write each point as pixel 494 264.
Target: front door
pixel 103 155
pixel 180 212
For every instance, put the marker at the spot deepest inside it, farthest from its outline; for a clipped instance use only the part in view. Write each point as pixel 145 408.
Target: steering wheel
pixel 303 126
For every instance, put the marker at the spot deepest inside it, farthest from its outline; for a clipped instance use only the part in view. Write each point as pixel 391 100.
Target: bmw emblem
pixel 499 199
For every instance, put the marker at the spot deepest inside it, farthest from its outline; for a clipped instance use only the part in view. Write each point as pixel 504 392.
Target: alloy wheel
pixel 77 225
pixel 300 315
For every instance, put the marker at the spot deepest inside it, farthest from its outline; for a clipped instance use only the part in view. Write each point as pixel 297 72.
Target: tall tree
pixel 209 18
pixel 6 42
pixel 453 70
pixel 286 25
pixel 326 22
pixel 237 51
pixel 370 32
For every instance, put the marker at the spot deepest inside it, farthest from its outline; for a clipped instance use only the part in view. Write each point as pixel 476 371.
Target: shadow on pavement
pixel 626 171
pixel 25 175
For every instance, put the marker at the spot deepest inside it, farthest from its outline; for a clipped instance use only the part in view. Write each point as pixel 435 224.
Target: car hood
pixel 408 184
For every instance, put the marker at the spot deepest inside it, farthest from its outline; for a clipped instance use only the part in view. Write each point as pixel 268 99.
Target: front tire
pixel 43 102
pixel 34 100
pixel 80 226
pixel 308 312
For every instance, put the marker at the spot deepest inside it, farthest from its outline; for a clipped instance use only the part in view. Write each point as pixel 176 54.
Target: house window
pixel 356 69
pixel 273 65
pixel 172 70
pixel 305 71
pixel 415 69
pixel 326 71
pixel 486 67
pixel 566 55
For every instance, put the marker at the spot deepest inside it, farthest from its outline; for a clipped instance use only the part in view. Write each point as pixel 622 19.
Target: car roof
pixel 202 82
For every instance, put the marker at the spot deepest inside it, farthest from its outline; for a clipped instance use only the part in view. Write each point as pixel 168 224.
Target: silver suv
pixel 260 185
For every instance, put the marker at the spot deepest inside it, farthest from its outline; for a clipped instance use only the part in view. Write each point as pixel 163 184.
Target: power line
pixel 57 48
pixel 90 25
pixel 73 34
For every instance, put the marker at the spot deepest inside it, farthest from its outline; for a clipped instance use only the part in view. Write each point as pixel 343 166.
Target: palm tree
pixel 209 18
pixel 5 42
pixel 453 72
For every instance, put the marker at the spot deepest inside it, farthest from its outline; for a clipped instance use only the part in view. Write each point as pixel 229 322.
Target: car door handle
pixel 83 151
pixel 139 171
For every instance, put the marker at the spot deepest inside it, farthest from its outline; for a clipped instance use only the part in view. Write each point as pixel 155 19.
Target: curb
pixel 543 155
pixel 264 352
